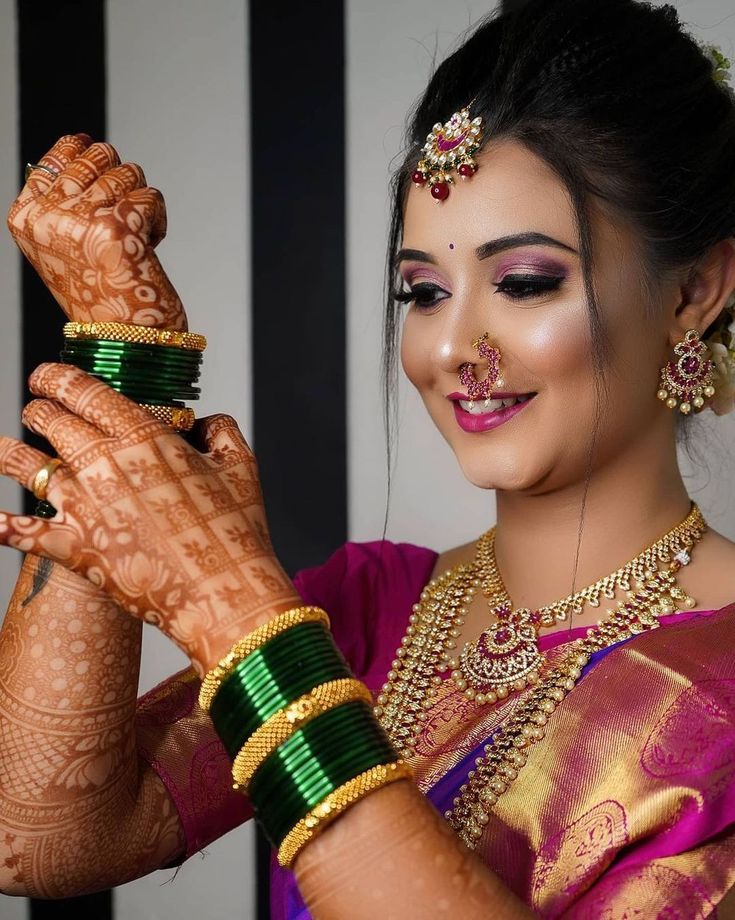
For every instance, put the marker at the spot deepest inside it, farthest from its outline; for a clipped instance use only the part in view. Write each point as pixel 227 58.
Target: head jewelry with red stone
pixel 449 147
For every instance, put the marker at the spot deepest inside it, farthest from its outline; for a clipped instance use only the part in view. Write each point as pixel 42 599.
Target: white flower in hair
pixel 720 66
pixel 724 379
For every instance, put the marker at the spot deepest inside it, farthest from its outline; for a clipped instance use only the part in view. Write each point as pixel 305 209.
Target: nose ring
pixel 480 389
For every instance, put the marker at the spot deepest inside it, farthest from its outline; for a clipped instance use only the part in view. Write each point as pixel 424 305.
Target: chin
pixel 487 470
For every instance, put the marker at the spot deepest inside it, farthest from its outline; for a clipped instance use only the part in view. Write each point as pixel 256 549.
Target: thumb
pixel 150 206
pixel 220 434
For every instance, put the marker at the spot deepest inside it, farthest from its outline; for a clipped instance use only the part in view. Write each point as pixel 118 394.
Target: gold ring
pixel 42 477
pixel 31 166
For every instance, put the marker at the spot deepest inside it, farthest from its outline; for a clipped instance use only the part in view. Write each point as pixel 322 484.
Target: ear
pixel 705 291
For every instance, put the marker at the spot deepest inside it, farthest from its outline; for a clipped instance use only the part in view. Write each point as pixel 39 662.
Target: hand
pixel 177 537
pixel 90 235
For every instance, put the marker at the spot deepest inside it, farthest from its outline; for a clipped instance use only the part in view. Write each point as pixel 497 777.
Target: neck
pixel 630 503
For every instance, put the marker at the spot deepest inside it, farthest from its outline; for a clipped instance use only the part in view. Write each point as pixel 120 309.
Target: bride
pixel 538 723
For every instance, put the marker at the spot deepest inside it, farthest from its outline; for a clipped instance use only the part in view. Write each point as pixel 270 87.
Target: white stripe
pixel 177 104
pixel 390 50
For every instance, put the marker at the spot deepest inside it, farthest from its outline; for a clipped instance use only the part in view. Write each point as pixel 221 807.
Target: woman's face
pixel 530 298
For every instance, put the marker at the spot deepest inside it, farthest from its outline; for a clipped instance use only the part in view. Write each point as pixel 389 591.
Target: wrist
pixel 210 646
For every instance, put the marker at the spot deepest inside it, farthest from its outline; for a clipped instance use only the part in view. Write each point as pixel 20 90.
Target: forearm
pixel 392 855
pixel 73 794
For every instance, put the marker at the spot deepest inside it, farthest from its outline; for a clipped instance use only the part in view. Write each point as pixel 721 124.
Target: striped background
pixel 270 129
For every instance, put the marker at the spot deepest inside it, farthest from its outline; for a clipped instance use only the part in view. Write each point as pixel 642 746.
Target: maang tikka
pixel 449 147
pixel 687 381
pixel 478 390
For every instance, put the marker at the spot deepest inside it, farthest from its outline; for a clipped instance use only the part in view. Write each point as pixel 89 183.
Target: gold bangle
pixel 143 335
pixel 180 418
pixel 252 641
pixel 335 804
pixel 287 721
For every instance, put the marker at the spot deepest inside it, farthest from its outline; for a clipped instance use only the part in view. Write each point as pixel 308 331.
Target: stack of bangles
pixel 300 729
pixel 158 368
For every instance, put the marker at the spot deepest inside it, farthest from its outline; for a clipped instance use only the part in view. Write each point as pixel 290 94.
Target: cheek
pixel 556 348
pixel 414 353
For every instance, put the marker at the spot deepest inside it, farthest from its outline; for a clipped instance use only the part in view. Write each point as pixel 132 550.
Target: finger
pixel 221 435
pixel 66 149
pixel 92 163
pixel 90 399
pixel 24 533
pixel 68 434
pixel 56 540
pixel 20 461
pixel 146 214
pixel 112 185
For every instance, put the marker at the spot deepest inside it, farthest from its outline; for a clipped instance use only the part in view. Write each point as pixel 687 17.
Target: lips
pixel 488 414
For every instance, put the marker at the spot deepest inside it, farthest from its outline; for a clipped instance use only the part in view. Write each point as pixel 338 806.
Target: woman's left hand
pixel 176 536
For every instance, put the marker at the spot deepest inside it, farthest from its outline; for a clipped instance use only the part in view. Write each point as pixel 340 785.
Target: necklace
pixel 506 656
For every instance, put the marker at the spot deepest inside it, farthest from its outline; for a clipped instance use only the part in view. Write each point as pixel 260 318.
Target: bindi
pixel 451 245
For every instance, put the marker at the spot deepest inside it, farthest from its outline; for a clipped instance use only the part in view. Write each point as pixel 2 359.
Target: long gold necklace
pixel 506 656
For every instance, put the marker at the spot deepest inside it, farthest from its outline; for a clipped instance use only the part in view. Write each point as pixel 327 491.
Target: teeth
pixel 483 407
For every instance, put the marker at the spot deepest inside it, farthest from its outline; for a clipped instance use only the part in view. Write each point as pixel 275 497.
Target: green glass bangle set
pixel 158 374
pixel 302 732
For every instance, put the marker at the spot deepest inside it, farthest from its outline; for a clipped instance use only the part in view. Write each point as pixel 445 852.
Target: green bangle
pixel 315 761
pixel 304 781
pixel 287 666
pixel 165 354
pixel 144 372
pixel 161 375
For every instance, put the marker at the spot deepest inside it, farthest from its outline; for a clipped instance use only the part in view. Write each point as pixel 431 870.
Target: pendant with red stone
pixel 687 381
pixel 449 147
pixel 505 657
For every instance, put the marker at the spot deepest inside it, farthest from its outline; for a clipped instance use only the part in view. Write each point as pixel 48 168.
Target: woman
pixel 558 299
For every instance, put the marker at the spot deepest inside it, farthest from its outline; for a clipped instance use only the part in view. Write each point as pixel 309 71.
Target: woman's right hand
pixel 91 232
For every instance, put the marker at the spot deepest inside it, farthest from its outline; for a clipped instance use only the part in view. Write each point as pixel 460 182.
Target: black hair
pixel 621 102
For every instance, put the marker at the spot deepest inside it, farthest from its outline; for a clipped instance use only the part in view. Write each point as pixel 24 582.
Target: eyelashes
pixel 517 287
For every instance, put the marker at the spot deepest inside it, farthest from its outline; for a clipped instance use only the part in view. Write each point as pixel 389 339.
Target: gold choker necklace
pixel 506 656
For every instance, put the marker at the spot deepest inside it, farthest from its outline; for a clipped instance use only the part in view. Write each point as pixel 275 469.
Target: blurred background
pixel 271 130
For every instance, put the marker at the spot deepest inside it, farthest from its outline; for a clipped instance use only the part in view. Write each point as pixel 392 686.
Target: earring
pixel 687 381
pixel 480 389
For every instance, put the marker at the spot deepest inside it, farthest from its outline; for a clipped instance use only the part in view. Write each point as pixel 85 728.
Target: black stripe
pixel 61 79
pixel 298 276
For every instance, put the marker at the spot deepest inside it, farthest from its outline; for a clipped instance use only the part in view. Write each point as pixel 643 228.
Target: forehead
pixel 513 190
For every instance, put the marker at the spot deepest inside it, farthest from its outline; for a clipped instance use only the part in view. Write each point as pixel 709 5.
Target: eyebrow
pixel 492 247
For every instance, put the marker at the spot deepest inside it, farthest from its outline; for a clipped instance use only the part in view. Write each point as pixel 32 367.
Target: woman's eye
pixel 422 295
pixel 522 287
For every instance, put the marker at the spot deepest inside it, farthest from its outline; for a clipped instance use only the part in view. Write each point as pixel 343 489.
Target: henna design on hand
pixel 78 809
pixel 91 232
pixel 148 518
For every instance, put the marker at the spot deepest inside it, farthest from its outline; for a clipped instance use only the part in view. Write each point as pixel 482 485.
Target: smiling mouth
pixel 486 406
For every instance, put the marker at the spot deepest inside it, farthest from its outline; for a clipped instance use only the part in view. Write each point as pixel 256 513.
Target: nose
pixel 458 343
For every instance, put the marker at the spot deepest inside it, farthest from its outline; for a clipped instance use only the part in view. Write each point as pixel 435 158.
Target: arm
pixel 80 808
pixel 206 586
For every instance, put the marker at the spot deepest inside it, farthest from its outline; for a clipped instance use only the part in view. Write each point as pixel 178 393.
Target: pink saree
pixel 625 809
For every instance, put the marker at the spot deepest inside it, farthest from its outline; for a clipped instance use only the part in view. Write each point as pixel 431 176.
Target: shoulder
pixel 368 590
pixel 710 578
pixel 371 564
